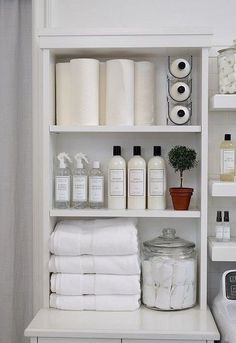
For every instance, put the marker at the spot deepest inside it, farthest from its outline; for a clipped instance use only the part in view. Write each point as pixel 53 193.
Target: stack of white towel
pixel 95 265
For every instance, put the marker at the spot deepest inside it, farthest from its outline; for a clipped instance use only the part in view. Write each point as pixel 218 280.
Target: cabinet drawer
pixel 77 340
pixel 159 341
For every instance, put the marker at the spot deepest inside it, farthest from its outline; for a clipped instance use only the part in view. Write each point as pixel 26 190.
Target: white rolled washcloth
pixel 95 237
pixel 95 302
pixel 79 284
pixel 120 265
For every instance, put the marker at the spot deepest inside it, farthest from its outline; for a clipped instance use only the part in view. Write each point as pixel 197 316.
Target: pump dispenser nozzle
pixel 62 157
pixel 80 157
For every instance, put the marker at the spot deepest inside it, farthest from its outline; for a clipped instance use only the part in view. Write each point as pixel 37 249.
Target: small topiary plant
pixel 182 158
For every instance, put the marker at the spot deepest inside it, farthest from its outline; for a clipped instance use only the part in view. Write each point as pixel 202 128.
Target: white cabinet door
pixel 159 341
pixel 77 340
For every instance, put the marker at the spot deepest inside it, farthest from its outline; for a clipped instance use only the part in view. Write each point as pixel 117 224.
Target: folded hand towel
pixel 79 284
pixel 122 265
pixel 95 302
pixel 95 237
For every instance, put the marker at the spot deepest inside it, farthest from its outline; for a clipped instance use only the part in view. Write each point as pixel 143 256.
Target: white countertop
pixel 143 324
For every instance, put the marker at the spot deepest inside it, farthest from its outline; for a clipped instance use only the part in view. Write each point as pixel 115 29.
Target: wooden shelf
pixel 192 324
pixel 103 129
pixel 223 102
pixel 222 189
pixel 222 251
pixel 124 213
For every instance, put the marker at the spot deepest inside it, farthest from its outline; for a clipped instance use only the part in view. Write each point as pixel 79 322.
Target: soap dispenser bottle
pixel 156 181
pixel 62 182
pixel 117 181
pixel 226 234
pixel 219 228
pixel 137 181
pixel 80 182
pixel 96 186
pixel 227 159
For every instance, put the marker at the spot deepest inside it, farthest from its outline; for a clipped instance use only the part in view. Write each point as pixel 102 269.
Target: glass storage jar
pixel 169 272
pixel 227 70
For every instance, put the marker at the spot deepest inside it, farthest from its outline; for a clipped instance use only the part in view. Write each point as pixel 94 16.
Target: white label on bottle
pixel 219 232
pixel 136 182
pixel 156 182
pixel 228 161
pixel 79 188
pixel 62 188
pixel 96 188
pixel 116 182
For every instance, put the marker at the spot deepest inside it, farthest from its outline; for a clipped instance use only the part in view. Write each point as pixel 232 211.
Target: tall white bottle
pixel 156 181
pixel 117 181
pixel 62 181
pixel 137 181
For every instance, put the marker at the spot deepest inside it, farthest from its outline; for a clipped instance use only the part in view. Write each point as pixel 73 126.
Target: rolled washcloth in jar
pixel 95 237
pixel 98 284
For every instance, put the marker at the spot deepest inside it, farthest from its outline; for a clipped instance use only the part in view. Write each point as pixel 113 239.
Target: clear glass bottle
pixel 80 182
pixel 226 70
pixel 96 186
pixel 62 182
pixel 169 272
pixel 227 159
pixel 219 229
pixel 226 234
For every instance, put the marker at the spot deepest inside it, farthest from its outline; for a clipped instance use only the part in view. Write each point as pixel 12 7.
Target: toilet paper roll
pixel 180 68
pixel 144 88
pixel 120 92
pixel 179 115
pixel 85 90
pixel 179 91
pixel 64 112
pixel 102 93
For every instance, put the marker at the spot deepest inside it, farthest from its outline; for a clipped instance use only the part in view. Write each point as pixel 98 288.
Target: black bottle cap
pixel 181 89
pixel 137 150
pixel 181 65
pixel 219 217
pixel 227 137
pixel 157 150
pixel 116 150
pixel 226 216
pixel 181 113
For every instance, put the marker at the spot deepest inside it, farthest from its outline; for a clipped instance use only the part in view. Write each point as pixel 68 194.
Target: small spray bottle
pixel 80 182
pixel 62 182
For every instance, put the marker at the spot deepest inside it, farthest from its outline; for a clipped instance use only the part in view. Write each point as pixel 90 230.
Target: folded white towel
pixel 79 284
pixel 95 302
pixel 95 237
pixel 122 265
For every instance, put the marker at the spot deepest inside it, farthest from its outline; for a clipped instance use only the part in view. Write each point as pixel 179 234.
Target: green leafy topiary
pixel 182 158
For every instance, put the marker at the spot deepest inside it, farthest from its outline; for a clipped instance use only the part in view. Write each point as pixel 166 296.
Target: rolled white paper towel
pixel 102 93
pixel 64 112
pixel 144 88
pixel 120 92
pixel 85 90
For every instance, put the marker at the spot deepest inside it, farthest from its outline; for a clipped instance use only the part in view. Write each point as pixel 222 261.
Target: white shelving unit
pixel 222 251
pixel 222 189
pixel 195 325
pixel 223 102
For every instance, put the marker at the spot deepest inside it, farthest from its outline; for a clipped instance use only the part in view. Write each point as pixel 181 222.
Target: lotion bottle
pixel 80 182
pixel 226 234
pixel 219 228
pixel 227 159
pixel 62 182
pixel 156 181
pixel 117 181
pixel 136 181
pixel 96 186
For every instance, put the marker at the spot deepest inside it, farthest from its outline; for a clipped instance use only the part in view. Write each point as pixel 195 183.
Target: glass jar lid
pixel 230 49
pixel 168 240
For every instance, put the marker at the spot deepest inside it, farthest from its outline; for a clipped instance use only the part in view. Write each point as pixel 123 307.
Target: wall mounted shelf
pixel 222 189
pixel 223 102
pixel 222 251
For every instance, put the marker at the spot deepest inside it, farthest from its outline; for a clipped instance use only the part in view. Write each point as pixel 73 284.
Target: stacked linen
pixel 95 265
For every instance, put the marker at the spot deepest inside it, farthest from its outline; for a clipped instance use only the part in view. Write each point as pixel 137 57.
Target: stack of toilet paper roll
pixel 227 74
pixel 116 92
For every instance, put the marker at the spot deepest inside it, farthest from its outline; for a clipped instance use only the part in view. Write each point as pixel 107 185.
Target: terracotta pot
pixel 181 197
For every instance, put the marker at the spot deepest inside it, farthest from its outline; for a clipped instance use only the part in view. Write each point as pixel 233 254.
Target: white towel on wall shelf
pixel 95 302
pixel 95 237
pixel 79 284
pixel 122 265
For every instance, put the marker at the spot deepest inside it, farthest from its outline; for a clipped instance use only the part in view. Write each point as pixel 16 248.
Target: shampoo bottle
pixel 117 181
pixel 137 181
pixel 227 159
pixel 62 182
pixel 96 186
pixel 80 182
pixel 219 229
pixel 226 234
pixel 156 181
